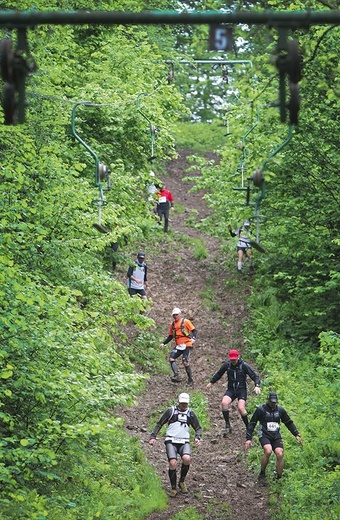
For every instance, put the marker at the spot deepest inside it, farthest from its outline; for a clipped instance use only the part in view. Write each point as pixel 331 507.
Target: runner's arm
pixel 252 423
pixel 165 417
pixel 288 422
pixel 196 425
pixel 168 339
pixel 252 374
pixel 219 373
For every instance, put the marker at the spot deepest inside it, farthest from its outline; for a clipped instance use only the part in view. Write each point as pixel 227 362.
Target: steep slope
pixel 219 484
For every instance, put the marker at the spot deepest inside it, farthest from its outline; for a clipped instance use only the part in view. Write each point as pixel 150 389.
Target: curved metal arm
pixel 151 126
pixel 77 136
pixel 244 137
pixel 282 145
pixel 258 218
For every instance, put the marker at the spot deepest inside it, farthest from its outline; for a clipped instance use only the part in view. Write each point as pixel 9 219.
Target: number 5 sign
pixel 221 38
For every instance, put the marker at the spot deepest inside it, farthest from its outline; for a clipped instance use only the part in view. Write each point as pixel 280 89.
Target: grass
pixel 200 250
pixel 209 299
pixel 191 220
pixel 199 137
pixel 189 513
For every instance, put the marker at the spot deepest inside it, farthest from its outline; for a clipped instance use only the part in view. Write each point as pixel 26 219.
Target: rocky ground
pixel 220 486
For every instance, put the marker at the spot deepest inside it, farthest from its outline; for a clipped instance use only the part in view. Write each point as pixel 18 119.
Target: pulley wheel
pixel 9 104
pixel 258 178
pixel 294 61
pixel 6 60
pixel 102 171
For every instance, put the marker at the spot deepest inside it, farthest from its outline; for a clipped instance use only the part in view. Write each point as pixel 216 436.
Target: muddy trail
pixel 219 484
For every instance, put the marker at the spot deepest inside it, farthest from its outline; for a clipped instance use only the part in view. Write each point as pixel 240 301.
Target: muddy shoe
pixel 176 379
pixel 261 479
pixel 190 382
pixel 173 493
pixel 226 431
pixel 183 487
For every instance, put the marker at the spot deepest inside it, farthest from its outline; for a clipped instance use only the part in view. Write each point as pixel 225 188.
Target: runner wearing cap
pixel 184 334
pixel 177 439
pixel 269 415
pixel 237 371
pixel 243 245
pixel 137 277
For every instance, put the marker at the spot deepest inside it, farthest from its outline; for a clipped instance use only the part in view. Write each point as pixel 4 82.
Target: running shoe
pixel 226 431
pixel 183 487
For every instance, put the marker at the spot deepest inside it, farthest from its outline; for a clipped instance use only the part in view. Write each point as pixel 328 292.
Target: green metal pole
pixel 293 19
pixel 94 155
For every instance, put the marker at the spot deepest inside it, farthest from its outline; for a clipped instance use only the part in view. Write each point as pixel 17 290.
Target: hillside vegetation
pixel 67 324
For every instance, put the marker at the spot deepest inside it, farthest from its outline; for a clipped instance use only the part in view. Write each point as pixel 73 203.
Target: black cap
pixel 272 397
pixel 141 255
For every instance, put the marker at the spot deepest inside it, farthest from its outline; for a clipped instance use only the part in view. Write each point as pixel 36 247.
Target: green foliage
pixel 200 250
pixel 209 298
pixel 65 359
pixel 189 513
pixel 307 386
pixel 199 137
pixel 191 220
pixel 144 352
pixel 64 356
pixel 300 207
pixel 218 511
pixel 108 479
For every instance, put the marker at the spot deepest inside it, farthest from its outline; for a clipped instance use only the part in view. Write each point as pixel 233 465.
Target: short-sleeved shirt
pixel 179 337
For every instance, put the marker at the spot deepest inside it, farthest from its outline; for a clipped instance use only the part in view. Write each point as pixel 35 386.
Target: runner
pixel 177 440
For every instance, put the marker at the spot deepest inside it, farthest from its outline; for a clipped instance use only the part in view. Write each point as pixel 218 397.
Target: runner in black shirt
pixel 270 415
pixel 237 371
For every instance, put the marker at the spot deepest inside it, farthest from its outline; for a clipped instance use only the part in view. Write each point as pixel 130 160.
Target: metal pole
pixel 293 19
pixel 94 155
pixel 222 62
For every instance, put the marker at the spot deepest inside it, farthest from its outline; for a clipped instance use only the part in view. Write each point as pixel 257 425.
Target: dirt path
pixel 219 485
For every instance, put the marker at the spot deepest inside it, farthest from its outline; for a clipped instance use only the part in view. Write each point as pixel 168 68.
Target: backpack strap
pixel 172 413
pixel 183 329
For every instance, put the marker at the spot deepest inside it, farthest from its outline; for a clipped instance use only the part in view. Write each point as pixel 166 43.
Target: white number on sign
pixel 221 39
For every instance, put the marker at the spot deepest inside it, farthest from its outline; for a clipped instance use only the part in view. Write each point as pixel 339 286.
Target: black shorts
pixel 133 292
pixel 275 443
pixel 173 449
pixel 239 394
pixel 244 249
pixel 175 353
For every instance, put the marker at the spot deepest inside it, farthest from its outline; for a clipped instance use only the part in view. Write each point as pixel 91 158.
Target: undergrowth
pixel 307 385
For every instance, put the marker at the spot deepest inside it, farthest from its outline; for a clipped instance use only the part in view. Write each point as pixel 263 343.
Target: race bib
pixel 162 199
pixel 272 426
pixel 175 440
